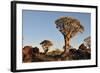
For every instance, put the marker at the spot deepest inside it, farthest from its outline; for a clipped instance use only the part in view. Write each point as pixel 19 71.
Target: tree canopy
pixel 68 25
pixel 46 44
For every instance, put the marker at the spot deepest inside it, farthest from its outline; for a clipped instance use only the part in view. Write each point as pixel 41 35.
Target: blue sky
pixel 40 25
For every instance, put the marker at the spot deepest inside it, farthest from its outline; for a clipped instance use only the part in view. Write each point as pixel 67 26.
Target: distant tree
pixel 46 44
pixel 88 42
pixel 69 27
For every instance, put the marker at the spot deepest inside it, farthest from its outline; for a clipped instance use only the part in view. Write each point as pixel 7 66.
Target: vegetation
pixel 87 41
pixel 32 54
pixel 69 27
pixel 45 45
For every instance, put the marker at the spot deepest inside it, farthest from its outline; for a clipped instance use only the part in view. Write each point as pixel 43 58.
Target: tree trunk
pixel 67 44
pixel 66 47
pixel 46 51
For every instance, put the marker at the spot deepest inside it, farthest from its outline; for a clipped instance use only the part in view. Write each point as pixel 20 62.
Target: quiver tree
pixel 69 27
pixel 88 42
pixel 46 44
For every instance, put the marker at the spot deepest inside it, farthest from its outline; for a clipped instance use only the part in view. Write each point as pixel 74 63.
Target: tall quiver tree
pixel 46 44
pixel 69 27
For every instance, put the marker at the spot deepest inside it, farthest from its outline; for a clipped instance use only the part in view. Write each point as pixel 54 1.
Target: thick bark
pixel 67 44
pixel 67 41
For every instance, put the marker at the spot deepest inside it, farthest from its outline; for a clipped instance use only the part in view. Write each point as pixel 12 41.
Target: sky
pixel 40 25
